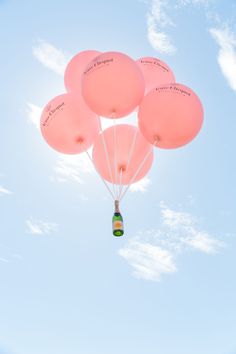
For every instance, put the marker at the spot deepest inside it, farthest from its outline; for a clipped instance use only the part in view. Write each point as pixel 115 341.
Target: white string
pixel 132 148
pixel 107 157
pixel 103 180
pixel 129 158
pixel 121 190
pixel 120 184
pixel 115 157
pixel 137 171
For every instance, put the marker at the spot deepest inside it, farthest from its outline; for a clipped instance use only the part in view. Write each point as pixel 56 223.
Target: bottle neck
pixel 117 210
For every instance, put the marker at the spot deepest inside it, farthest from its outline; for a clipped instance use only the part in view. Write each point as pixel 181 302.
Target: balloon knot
pixel 113 113
pixel 122 168
pixel 157 139
pixel 79 140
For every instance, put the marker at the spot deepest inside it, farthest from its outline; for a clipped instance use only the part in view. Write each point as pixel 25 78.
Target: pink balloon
pixel 68 125
pixel 112 85
pixel 155 72
pixel 170 116
pixel 75 69
pixel 128 152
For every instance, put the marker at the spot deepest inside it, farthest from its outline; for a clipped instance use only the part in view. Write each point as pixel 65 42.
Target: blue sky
pixel 66 285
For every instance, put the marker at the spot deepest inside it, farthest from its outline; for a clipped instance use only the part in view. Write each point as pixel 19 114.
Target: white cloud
pixel 7 255
pixel 226 41
pixel 141 186
pixel 158 254
pixel 182 229
pixel 72 168
pixel 157 19
pixel 202 241
pixel 51 57
pixel 175 219
pixel 160 20
pixel 34 114
pixel 39 227
pixel 147 260
pixel 193 2
pixel 4 191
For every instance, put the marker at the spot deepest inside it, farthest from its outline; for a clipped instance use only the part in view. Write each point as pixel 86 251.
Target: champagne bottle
pixel 117 221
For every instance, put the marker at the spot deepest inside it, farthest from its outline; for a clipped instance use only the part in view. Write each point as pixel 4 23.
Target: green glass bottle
pixel 117 221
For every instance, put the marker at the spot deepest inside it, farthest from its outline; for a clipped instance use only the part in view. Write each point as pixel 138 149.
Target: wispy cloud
pixel 160 20
pixel 226 40
pixel 34 113
pixel 147 260
pixel 72 168
pixel 157 21
pixel 50 56
pixel 158 254
pixel 7 255
pixel 10 257
pixel 141 186
pixel 193 2
pixel 202 241
pixel 39 227
pixel 182 230
pixel 4 191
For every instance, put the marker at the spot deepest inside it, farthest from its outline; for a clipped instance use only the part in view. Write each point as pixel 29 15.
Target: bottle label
pixel 117 225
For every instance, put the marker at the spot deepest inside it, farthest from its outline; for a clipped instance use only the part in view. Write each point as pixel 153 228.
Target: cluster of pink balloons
pixel 113 85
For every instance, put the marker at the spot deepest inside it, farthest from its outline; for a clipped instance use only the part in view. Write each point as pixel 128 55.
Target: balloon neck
pixel 79 140
pixel 156 139
pixel 117 209
pixel 113 114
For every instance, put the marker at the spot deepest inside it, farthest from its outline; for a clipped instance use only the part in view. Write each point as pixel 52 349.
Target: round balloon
pixel 155 72
pixel 170 116
pixel 112 85
pixel 75 69
pixel 68 125
pixel 121 155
